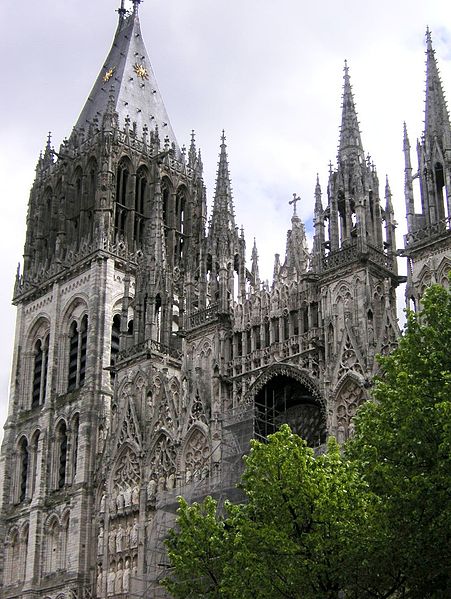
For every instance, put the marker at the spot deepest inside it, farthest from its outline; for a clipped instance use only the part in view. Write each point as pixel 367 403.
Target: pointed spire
pixel 318 194
pixel 223 216
pixel 436 120
pixel 254 266
pixel 388 196
pixel 192 154
pixel 127 74
pixel 408 185
pixel 350 141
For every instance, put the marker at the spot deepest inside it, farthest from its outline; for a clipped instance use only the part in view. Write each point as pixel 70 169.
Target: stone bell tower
pixel 118 207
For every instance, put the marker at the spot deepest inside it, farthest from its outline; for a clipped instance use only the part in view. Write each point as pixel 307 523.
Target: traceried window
pixel 78 339
pixel 40 366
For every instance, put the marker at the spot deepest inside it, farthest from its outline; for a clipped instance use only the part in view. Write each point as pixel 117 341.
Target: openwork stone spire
pixel 350 141
pixel 436 111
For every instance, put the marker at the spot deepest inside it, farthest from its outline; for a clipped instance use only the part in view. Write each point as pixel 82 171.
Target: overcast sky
pixel 268 72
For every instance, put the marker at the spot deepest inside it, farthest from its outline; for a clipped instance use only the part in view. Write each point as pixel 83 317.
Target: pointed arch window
pixel 115 342
pixel 75 439
pixel 23 469
pixel 61 455
pixel 158 318
pixel 122 188
pixel 78 340
pixel 140 206
pixel 180 207
pixel 40 366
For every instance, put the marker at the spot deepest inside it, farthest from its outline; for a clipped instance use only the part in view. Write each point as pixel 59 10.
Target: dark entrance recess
pixel 286 400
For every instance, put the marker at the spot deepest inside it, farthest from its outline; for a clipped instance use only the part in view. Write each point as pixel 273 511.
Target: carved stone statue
pixel 119 579
pixel 110 581
pixel 151 489
pixel 126 578
pixel 99 581
pixel 112 542
pixel 134 534
pixel 135 495
pixel 127 497
pixel 100 539
pixel 171 481
pixel 120 502
pixel 119 539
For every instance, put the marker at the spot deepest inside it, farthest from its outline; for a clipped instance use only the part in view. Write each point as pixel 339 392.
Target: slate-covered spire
pixel 128 77
pixel 436 121
pixel 350 141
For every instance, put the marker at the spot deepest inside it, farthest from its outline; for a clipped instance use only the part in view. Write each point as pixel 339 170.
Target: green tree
pixel 290 539
pixel 402 445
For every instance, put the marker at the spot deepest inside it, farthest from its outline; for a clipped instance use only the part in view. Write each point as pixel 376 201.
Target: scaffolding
pixel 239 426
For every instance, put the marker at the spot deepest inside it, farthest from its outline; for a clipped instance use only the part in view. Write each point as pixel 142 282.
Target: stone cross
pixel 294 201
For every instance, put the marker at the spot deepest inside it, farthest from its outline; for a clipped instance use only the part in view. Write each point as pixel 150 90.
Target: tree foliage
pixel 372 520
pixel 402 445
pixel 290 539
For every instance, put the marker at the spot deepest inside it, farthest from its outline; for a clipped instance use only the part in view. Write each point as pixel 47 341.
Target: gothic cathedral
pixel 148 353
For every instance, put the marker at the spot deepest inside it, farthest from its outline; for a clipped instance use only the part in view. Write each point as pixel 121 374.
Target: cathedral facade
pixel 148 352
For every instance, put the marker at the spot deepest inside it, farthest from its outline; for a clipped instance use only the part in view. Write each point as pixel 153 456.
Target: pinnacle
pixel 350 142
pixel 436 111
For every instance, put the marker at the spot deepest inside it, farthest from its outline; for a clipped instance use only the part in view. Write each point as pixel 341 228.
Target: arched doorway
pixel 284 399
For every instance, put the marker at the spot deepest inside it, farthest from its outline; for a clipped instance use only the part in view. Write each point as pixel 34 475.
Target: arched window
pixel 23 551
pixel 140 206
pixel 180 206
pixel 61 455
pixel 52 554
pixel 64 541
pixel 41 356
pixel 75 438
pixel 12 558
pixel 158 317
pixel 115 342
pixel 23 469
pixel 122 184
pixel 78 339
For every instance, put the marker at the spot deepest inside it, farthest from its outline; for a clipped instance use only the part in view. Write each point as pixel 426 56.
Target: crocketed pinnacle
pixel 436 111
pixel 223 214
pixel 350 140
pixel 318 203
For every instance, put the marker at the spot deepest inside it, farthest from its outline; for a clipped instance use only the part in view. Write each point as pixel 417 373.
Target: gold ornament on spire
pixel 108 74
pixel 141 71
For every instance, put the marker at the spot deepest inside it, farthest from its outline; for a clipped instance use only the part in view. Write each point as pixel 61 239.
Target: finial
pixel 223 138
pixel 136 4
pixel 121 11
pixel 294 201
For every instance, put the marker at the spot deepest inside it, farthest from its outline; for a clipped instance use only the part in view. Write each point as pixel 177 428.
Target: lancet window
pixel 141 191
pixel 40 366
pixel 78 338
pixel 122 185
pixel 61 445
pixel 115 342
pixel 24 459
